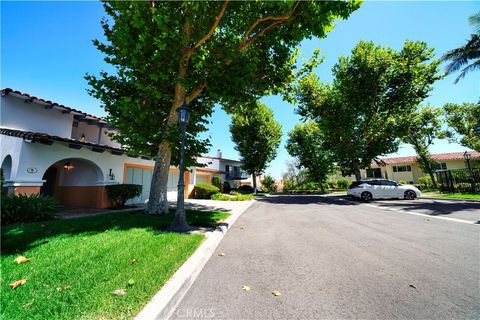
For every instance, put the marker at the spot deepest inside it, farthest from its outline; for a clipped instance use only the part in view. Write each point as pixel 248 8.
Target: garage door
pixel 143 177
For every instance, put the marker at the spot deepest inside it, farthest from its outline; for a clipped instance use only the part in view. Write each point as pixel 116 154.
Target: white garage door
pixel 143 177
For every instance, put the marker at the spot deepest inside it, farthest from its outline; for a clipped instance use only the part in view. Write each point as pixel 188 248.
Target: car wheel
pixel 366 196
pixel 409 195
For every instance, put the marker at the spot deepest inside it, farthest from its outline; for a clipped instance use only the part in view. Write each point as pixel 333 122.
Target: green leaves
pixel 256 135
pixel 363 113
pixel 463 122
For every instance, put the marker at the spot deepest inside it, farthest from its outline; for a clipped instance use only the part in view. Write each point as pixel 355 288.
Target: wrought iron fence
pixel 459 180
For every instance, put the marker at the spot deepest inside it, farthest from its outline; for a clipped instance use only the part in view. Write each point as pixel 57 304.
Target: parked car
pixel 382 189
pixel 247 189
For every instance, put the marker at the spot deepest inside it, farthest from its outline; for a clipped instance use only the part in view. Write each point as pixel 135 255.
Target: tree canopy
pixel 463 121
pixel 466 57
pixel 424 126
pixel 364 111
pixel 257 137
pixel 168 52
pixel 306 143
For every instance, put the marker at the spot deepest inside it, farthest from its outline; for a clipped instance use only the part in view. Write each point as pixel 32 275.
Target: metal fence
pixel 459 180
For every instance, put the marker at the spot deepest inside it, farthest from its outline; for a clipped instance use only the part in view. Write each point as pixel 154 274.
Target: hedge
pixel 205 190
pixel 22 208
pixel 118 194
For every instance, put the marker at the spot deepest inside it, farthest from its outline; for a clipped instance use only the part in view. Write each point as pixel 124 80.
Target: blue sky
pixel 46 50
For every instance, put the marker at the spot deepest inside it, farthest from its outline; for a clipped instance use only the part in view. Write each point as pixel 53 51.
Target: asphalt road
pixel 335 259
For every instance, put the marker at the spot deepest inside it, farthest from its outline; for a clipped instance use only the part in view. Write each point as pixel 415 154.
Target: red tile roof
pixel 437 157
pixel 45 138
pixel 54 105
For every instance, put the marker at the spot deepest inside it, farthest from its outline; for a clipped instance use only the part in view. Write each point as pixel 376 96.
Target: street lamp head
pixel 183 113
pixel 467 155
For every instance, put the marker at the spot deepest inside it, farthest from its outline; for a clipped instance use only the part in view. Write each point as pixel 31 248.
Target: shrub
pixel 332 184
pixel 21 208
pixel 118 194
pixel 205 190
pixel 343 183
pixel 425 182
pixel 226 187
pixel 403 182
pixel 268 184
pixel 237 197
pixel 217 182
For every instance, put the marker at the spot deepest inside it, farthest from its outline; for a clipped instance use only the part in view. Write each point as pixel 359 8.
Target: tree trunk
pixel 432 176
pixel 158 203
pixel 254 184
pixel 358 176
pixel 322 188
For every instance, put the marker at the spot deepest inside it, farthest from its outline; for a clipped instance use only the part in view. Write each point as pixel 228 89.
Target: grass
pixel 87 259
pixel 228 197
pixel 466 196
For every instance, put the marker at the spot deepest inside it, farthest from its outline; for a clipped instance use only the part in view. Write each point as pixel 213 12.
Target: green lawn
pixel 466 196
pixel 76 264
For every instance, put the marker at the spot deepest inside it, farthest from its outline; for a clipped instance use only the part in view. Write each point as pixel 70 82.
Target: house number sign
pixel 32 170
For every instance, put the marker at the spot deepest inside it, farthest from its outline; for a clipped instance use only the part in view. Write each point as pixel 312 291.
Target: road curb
pixel 164 302
pixel 449 199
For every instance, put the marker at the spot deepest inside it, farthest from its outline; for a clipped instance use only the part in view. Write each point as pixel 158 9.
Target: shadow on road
pixel 433 207
pixel 307 199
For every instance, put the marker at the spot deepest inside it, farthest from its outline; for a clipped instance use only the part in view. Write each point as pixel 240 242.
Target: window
pixel 402 168
pixel 440 166
pixel 388 183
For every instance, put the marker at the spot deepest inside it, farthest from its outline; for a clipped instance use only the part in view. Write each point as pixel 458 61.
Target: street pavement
pixel 336 259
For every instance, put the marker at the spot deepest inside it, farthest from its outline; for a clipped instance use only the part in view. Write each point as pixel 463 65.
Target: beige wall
pixel 409 176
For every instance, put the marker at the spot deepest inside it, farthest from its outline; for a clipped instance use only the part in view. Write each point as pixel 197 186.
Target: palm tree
pixel 467 55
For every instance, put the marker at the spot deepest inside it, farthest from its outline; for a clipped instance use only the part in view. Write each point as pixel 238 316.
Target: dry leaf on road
pixel 21 259
pixel 245 288
pixel 17 283
pixel 119 292
pixel 276 293
pixel 221 254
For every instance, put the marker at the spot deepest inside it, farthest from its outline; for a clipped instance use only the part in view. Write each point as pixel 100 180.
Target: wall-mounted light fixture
pixel 68 166
pixel 82 138
pixel 111 176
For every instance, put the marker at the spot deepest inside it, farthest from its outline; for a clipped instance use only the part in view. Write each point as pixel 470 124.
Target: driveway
pixel 334 259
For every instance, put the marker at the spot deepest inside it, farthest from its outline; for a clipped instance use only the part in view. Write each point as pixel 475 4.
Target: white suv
pixel 382 189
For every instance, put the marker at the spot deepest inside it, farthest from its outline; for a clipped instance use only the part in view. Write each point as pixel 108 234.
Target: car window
pixel 388 183
pixel 373 182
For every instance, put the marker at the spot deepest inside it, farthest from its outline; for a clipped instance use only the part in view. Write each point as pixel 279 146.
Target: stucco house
pixel 407 168
pixel 52 149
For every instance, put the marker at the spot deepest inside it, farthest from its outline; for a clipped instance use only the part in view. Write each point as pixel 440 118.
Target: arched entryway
pixel 74 182
pixel 7 167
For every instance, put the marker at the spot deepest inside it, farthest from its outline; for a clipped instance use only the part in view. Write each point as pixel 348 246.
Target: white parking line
pixel 419 214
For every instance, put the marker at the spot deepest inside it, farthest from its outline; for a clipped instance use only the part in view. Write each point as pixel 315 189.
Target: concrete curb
pixel 163 304
pixel 449 199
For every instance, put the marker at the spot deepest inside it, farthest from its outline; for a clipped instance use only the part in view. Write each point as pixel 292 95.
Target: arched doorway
pixel 74 182
pixel 7 167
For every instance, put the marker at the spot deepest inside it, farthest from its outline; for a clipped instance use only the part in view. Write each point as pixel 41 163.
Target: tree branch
pixel 277 21
pixel 196 92
pixel 213 28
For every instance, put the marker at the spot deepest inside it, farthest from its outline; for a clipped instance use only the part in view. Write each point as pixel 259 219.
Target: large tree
pixel 257 136
pixel 466 56
pixel 424 126
pixel 165 53
pixel 363 113
pixel 306 143
pixel 463 121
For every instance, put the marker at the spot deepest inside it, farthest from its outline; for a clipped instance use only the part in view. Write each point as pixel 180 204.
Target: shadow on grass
pixel 18 238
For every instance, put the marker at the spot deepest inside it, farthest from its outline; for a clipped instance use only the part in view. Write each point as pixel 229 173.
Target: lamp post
pixel 179 223
pixel 467 156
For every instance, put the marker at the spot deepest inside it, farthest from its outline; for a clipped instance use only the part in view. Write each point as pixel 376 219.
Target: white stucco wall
pixel 30 116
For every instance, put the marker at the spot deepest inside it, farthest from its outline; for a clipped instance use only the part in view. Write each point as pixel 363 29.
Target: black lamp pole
pixel 467 156
pixel 180 220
